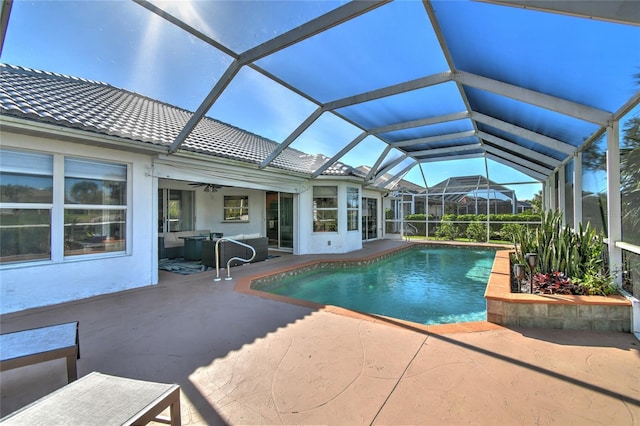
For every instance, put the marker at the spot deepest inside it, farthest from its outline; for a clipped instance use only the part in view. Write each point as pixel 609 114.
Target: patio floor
pixel 242 359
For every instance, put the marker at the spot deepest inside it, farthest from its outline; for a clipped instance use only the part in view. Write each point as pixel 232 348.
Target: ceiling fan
pixel 208 187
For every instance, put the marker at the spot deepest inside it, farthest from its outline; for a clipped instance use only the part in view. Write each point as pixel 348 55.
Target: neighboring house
pixel 88 185
pixel 463 195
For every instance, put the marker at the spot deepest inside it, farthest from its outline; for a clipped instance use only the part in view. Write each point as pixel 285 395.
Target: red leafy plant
pixel 554 283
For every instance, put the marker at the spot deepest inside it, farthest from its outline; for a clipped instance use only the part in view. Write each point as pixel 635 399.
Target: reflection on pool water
pixel 430 285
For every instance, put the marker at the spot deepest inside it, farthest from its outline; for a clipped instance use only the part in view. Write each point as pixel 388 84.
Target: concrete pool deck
pixel 242 359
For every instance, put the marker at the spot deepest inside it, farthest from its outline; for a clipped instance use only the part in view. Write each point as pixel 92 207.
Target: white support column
pixel 577 189
pixel 561 196
pixel 553 192
pixel 614 218
pixel 426 210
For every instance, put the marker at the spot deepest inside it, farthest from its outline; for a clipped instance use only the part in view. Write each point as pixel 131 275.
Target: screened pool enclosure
pixel 529 98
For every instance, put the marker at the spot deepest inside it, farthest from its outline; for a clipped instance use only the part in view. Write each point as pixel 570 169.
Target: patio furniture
pixel 102 400
pixel 27 347
pixel 193 247
pixel 171 244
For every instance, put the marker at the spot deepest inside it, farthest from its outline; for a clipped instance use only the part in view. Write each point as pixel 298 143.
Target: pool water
pixel 430 285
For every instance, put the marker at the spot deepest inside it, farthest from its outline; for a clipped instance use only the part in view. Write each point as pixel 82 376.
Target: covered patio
pixel 242 359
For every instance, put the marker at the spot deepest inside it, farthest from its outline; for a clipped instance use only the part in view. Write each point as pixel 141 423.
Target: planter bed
pixel 612 313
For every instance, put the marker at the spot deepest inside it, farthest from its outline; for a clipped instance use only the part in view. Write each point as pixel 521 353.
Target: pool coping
pixel 243 285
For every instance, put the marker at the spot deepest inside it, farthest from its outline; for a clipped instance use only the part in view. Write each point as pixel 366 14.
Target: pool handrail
pixel 241 259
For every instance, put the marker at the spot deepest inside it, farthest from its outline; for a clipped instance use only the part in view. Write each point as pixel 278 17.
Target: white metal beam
pixel 447 150
pixel 391 165
pixel 5 12
pixel 446 158
pixel 519 160
pixel 398 175
pixel 525 133
pixel 339 155
pixel 533 174
pixel 304 31
pixel 292 137
pixel 529 153
pixel 420 122
pixel 381 157
pixel 614 200
pixel 330 19
pixel 213 95
pixel 391 90
pixel 619 11
pixel 552 103
pixel 186 27
pixel 431 139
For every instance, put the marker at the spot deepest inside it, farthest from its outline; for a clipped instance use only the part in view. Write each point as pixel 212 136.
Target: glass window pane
pixel 91 182
pixel 25 235
pixel 630 176
pixel 236 208
pixel 21 188
pixel 94 231
pixel 25 177
pixel 325 197
pixel 353 198
pixel 325 221
pixel 352 220
pixel 594 185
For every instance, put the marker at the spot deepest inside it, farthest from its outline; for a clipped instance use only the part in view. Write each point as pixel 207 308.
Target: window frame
pixel 228 208
pixel 353 211
pixel 58 207
pixel 321 225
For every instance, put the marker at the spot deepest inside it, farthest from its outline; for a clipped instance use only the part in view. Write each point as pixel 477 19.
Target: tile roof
pixel 101 108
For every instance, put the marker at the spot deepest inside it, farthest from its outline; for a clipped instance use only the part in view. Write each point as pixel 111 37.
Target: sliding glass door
pixel 280 220
pixel 175 210
pixel 369 219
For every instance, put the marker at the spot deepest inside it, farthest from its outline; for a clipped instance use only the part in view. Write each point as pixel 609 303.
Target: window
pixel 26 202
pixel 95 208
pixel 325 209
pixel 236 208
pixel 353 209
pixel 92 211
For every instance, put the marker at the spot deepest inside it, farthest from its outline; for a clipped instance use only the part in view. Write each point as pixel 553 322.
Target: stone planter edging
pixel 612 313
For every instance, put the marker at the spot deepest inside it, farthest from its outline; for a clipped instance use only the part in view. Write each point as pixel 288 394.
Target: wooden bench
pixel 27 347
pixel 102 399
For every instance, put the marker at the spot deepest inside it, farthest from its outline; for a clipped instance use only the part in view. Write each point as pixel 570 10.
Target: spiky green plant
pixel 577 254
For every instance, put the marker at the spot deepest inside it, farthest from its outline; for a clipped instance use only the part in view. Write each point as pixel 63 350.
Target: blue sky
pixel 123 44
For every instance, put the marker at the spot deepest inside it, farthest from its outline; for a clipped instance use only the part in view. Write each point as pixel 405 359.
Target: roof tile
pixel 101 108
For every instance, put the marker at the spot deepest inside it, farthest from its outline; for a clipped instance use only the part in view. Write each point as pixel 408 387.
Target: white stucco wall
pixel 34 284
pixel 209 208
pixel 342 241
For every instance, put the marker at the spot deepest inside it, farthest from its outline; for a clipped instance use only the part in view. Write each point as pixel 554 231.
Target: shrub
pixel 448 230
pixel 477 231
pixel 509 231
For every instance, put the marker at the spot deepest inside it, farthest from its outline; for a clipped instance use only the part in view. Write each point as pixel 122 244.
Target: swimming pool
pixel 429 285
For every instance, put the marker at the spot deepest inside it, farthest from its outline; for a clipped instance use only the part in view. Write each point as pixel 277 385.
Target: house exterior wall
pixel 210 212
pixel 42 283
pixel 342 241
pixel 33 284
